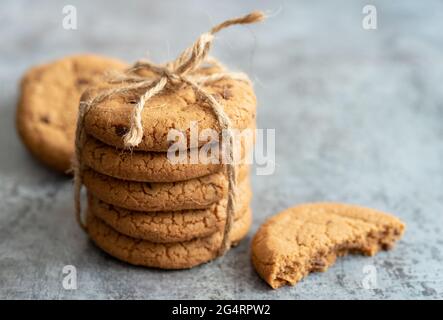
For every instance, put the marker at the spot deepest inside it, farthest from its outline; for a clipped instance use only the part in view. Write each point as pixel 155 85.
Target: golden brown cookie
pixel 310 237
pixel 47 111
pixel 198 193
pixel 145 166
pixel 140 166
pixel 169 226
pixel 109 120
pixel 176 255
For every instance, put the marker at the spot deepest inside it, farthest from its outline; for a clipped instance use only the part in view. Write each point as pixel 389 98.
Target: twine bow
pixel 177 72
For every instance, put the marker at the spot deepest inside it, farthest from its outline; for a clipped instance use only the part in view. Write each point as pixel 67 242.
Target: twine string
pixel 177 72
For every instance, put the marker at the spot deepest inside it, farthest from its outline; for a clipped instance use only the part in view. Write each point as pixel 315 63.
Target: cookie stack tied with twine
pixel 143 208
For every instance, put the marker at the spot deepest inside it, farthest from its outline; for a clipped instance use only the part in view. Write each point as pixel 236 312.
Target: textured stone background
pixel 358 117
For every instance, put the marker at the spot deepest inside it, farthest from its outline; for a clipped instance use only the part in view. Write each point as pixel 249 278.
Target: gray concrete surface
pixel 358 117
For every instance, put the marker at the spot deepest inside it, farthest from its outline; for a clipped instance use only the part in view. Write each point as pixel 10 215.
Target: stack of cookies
pixel 144 208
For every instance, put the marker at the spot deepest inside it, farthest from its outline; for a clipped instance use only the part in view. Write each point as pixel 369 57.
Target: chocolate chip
pixel 45 119
pixel 121 130
pixel 82 81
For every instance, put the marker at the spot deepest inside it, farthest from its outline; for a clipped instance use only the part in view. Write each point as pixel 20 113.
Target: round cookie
pixel 109 120
pixel 198 193
pixel 177 255
pixel 169 226
pixel 144 166
pixel 47 111
pixel 310 237
pixel 140 166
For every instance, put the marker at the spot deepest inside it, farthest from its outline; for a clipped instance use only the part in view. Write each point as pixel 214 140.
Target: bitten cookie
pixel 310 237
pixel 169 226
pixel 178 255
pixel 198 193
pixel 109 120
pixel 47 111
